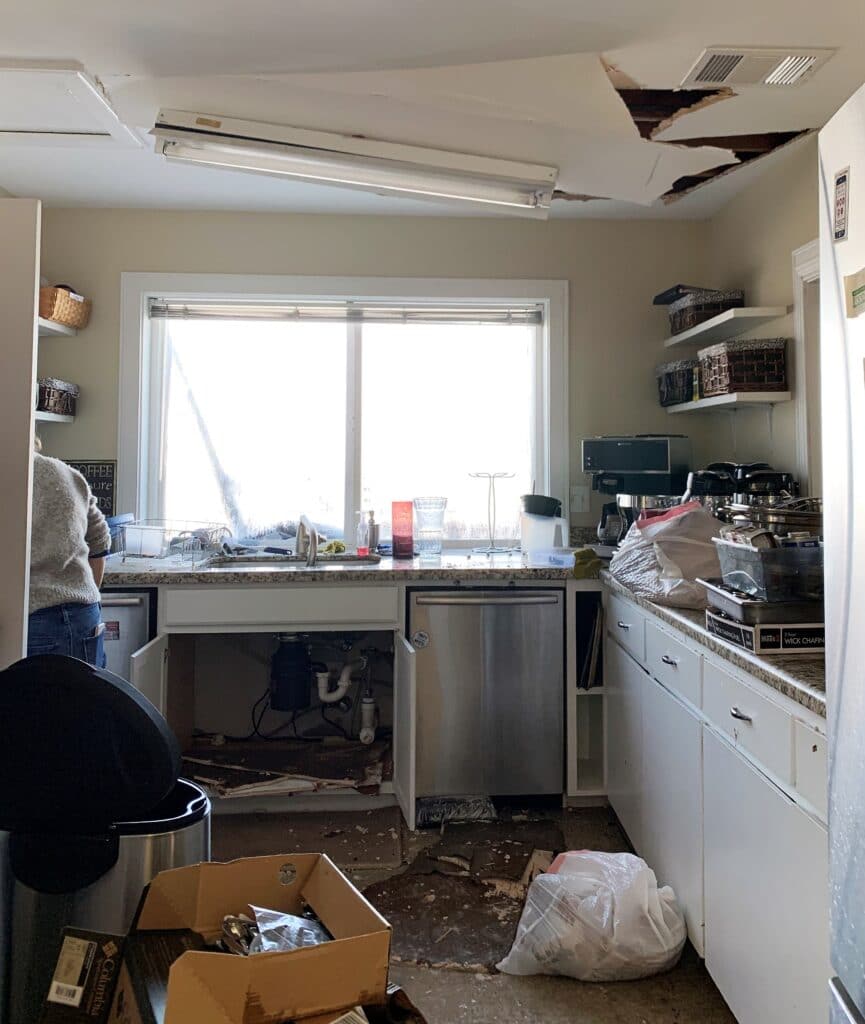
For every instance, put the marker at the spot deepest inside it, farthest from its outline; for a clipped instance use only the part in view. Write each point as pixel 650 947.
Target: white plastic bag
pixel 660 558
pixel 597 917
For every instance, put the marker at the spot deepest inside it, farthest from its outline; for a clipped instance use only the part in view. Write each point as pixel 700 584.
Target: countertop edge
pixel 777 675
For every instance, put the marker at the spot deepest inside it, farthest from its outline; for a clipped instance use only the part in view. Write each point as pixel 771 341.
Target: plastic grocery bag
pixel 597 917
pixel 660 558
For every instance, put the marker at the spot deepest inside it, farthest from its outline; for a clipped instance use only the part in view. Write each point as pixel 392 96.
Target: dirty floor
pixel 364 844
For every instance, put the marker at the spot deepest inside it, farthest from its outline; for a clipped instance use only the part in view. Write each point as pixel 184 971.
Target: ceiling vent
pixel 732 65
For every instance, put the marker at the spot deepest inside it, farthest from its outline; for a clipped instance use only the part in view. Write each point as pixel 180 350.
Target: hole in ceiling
pixel 745 147
pixel 653 110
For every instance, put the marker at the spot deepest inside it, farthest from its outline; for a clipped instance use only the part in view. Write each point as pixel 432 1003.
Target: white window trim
pixel 137 289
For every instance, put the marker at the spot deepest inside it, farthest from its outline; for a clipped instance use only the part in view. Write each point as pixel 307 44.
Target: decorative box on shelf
pixel 676 381
pixel 58 397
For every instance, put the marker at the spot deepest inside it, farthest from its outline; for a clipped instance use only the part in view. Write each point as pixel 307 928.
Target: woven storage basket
pixel 750 365
pixel 676 381
pixel 698 306
pixel 57 396
pixel 64 306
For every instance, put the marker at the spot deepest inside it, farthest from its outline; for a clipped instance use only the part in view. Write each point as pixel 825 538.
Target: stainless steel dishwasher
pixel 490 691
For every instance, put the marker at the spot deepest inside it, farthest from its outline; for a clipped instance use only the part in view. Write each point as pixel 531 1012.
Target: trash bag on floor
pixel 597 917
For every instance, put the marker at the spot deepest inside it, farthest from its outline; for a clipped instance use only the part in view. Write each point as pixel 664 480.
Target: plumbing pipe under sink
pixel 328 696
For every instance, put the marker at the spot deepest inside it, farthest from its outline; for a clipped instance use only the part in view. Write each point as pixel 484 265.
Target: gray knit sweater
pixel 67 529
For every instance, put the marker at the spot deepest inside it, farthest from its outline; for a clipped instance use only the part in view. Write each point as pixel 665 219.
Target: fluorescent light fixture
pixel 354 162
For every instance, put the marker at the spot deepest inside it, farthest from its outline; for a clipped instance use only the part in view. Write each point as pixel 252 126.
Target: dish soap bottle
pixel 362 536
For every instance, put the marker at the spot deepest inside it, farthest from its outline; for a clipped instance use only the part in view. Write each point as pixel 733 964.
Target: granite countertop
pixel 802 678
pixel 156 572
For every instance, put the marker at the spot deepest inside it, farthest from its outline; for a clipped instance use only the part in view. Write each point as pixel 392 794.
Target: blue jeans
pixel 72 629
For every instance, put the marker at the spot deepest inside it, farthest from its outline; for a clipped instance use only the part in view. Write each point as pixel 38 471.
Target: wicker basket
pixel 698 306
pixel 64 306
pixel 750 365
pixel 676 381
pixel 57 396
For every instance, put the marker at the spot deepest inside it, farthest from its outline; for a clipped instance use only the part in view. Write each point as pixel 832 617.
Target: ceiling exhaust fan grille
pixel 733 66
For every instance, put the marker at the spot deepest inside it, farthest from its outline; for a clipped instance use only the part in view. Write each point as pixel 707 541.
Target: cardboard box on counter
pixel 321 981
pixel 769 638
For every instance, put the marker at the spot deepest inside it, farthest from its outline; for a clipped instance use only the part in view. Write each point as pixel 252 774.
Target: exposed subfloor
pixel 466 996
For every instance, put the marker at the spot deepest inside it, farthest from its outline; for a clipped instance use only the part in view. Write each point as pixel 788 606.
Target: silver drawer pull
pixel 623 625
pixel 667 660
pixel 740 715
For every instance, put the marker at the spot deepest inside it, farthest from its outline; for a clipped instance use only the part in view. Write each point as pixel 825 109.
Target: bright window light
pixel 254 426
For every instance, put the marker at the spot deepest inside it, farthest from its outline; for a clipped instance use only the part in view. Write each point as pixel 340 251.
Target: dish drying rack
pixel 160 538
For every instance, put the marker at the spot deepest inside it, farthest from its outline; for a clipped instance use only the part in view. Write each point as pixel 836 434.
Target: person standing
pixel 69 543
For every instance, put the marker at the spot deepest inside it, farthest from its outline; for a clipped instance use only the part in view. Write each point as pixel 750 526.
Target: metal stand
pixel 491 548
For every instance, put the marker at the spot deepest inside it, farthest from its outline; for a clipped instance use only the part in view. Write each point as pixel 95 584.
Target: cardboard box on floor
pixel 266 988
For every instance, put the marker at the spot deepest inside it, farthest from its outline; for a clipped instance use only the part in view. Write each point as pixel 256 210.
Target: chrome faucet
pixel 306 542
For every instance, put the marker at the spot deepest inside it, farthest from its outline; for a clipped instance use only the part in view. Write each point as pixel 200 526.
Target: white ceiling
pixel 512 78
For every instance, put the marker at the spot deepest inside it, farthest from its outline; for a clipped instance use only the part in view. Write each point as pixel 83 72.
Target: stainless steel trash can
pixel 92 809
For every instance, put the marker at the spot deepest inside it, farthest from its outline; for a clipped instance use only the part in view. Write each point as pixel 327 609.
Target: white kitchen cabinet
pixel 148 672
pixel 766 893
pixel 672 809
pixel 624 682
pixel 405 727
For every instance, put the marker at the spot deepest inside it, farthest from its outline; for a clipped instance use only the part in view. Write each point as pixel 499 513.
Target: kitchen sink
pixel 275 563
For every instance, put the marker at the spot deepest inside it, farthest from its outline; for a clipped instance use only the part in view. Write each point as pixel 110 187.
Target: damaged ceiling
pixel 590 88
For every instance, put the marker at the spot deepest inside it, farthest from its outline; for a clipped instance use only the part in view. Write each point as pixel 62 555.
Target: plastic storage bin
pixel 93 809
pixel 772 574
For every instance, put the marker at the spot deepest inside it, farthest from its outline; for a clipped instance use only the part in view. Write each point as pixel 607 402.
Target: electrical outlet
pixel 580 500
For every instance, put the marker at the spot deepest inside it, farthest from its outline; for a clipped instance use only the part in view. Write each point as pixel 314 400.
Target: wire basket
pixel 161 538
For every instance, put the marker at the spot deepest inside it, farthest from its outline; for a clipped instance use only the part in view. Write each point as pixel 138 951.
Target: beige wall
pixel 750 245
pixel 613 269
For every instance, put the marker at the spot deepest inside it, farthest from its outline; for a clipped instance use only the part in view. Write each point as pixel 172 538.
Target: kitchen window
pixel 252 410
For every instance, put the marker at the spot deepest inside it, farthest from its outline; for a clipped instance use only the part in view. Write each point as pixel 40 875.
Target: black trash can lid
pixel 80 748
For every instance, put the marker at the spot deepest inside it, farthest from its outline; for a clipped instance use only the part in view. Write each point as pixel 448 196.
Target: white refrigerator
pixel 842 298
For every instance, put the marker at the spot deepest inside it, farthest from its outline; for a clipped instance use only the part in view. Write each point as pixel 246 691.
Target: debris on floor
pixel 354 840
pixel 471 884
pixel 285 767
pixel 446 920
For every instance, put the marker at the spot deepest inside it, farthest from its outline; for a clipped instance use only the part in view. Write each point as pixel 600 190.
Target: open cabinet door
pixel 404 726
pixel 147 671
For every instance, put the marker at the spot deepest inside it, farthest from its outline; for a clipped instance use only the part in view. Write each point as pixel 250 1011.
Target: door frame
pixel 806 270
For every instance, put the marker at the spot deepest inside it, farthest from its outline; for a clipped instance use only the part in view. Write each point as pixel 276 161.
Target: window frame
pixel 138 374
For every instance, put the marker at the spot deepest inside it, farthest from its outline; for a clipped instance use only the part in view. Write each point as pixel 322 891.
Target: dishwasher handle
pixel 472 599
pixel 121 602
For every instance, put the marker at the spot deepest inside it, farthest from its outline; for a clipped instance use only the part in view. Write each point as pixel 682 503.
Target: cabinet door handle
pixel 740 715
pixel 623 625
pixel 667 660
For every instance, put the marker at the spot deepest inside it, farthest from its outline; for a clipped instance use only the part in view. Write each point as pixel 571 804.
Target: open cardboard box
pixel 267 988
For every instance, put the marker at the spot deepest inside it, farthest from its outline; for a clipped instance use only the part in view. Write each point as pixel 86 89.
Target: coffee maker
pixel 645 472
